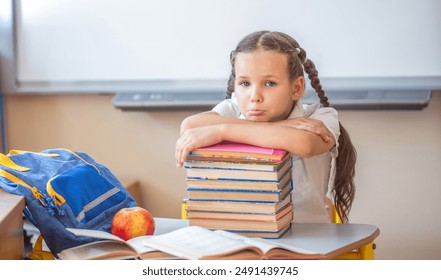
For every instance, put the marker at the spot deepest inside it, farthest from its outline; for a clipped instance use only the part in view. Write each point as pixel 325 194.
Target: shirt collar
pixel 298 110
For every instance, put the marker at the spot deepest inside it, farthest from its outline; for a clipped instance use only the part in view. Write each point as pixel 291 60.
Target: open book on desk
pixel 110 247
pixel 191 242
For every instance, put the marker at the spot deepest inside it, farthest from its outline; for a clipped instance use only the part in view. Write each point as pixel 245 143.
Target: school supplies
pixel 238 171
pixel 238 206
pixel 63 189
pixel 238 152
pixel 240 188
pixel 241 195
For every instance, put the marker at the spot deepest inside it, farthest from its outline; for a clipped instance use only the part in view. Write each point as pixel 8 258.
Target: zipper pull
pixel 38 195
pixel 48 203
pixel 53 208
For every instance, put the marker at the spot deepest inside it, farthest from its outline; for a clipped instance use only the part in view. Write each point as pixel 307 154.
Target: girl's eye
pixel 244 84
pixel 270 84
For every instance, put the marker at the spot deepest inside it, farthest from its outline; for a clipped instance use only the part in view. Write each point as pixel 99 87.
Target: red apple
pixel 132 222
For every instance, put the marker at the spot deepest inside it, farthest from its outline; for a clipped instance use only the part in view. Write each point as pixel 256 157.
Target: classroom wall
pixel 398 170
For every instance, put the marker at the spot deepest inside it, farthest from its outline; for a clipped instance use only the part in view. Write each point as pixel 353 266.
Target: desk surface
pixel 328 239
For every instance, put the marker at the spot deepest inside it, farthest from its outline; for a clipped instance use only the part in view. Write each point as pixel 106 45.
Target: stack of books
pixel 240 188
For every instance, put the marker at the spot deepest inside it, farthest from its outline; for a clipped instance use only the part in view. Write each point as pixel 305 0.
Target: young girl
pixel 264 108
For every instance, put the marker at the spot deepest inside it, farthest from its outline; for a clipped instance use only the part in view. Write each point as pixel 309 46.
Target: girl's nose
pixel 256 95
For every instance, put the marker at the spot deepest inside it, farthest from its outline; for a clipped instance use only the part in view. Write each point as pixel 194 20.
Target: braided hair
pixel 298 63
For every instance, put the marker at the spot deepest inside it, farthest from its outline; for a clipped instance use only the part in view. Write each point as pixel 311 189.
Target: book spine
pixel 277 192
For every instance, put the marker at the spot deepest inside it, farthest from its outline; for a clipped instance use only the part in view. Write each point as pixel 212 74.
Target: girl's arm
pixel 208 118
pixel 303 137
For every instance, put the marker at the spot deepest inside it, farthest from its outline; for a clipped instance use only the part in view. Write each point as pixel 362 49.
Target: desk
pixel 328 239
pixel 11 226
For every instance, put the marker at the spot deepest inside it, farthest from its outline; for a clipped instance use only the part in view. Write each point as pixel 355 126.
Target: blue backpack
pixel 63 189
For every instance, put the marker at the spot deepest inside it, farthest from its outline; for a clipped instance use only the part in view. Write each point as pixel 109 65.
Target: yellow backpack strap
pixel 19 152
pixel 38 253
pixel 7 162
pixel 15 179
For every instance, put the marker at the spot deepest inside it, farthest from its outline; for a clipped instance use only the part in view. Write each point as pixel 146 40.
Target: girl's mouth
pixel 256 113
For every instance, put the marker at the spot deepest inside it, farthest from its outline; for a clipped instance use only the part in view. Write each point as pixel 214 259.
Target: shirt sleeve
pixel 329 116
pixel 227 108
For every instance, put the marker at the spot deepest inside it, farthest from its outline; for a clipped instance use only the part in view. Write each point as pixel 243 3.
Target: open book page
pixel 112 247
pixel 273 249
pixel 94 234
pixel 199 243
pixel 100 250
pixel 147 252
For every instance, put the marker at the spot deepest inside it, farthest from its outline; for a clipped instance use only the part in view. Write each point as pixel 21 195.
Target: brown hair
pixel 344 188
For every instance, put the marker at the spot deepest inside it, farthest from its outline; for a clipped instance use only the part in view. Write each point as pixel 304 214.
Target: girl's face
pixel 263 89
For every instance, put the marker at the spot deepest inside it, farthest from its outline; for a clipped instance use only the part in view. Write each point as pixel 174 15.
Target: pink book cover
pixel 245 148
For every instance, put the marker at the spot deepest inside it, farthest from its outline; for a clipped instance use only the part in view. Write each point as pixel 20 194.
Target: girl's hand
pixel 312 125
pixel 196 138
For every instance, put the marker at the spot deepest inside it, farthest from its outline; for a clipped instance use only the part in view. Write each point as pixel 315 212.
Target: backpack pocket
pixel 83 193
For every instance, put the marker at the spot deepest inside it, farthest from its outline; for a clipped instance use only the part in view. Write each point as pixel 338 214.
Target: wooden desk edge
pixel 354 245
pixel 10 203
pixel 11 226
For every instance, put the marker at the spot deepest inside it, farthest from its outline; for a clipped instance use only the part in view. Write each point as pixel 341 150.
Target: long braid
pixel 344 186
pixel 315 82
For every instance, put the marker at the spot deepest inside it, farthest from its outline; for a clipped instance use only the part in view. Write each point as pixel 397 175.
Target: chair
pixel 365 252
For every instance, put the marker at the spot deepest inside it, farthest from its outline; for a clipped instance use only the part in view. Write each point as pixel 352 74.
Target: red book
pixel 238 151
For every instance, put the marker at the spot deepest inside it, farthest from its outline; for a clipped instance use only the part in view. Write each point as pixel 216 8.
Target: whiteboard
pixel 190 40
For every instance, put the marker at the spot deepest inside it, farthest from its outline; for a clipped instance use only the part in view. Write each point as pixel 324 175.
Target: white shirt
pixel 313 177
